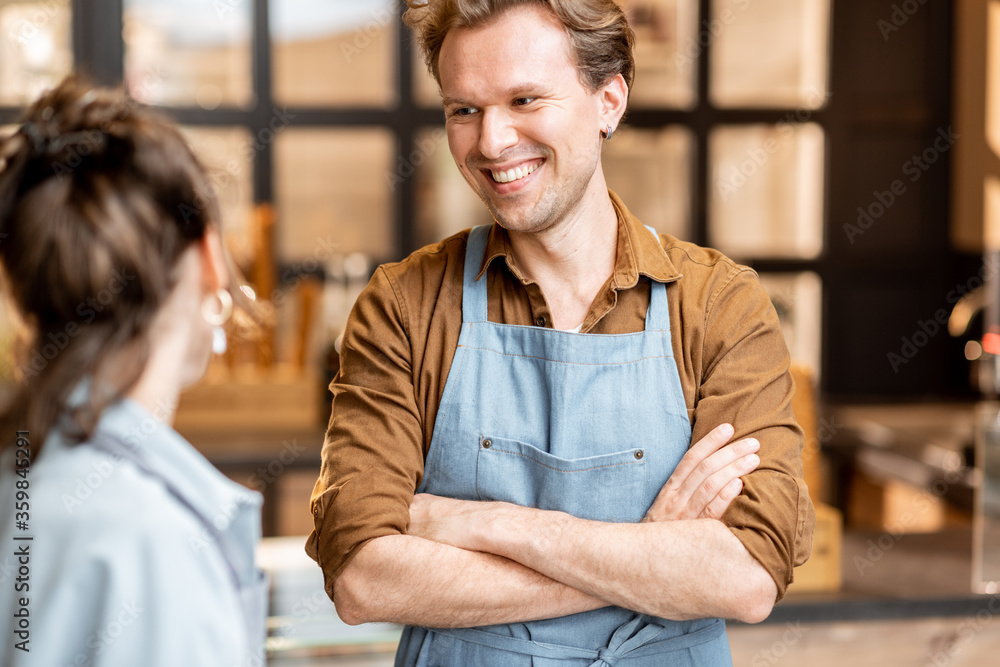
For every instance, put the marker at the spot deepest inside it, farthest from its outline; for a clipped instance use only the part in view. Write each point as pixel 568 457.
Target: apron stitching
pixel 445 405
pixel 610 465
pixel 634 334
pixel 568 363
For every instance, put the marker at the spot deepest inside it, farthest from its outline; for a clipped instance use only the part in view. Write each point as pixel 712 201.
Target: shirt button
pixel 540 322
pixel 487 443
pixel 639 455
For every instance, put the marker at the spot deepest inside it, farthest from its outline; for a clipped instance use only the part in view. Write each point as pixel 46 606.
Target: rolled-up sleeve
pixel 745 382
pixel 373 452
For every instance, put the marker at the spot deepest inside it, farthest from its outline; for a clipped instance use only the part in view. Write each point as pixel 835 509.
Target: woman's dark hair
pixel 99 198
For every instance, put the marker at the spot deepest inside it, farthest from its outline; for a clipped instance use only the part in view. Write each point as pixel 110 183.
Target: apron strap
pixel 658 313
pixel 474 308
pixel 474 297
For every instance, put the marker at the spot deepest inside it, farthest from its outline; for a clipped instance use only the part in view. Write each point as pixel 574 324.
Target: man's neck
pixel 571 261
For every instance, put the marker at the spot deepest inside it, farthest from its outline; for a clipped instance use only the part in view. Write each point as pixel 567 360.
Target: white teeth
pixel 515 174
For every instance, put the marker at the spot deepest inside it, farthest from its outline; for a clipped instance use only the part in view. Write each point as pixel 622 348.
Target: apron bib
pixel 587 424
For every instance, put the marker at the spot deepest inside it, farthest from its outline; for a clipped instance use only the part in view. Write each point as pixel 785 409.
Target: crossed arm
pixel 466 563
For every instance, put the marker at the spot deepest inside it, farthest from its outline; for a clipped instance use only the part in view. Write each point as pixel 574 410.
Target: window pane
pixel 36 49
pixel 666 51
pixel 188 52
pixel 425 88
pixel 227 156
pixel 445 203
pixel 329 52
pixel 334 184
pixel 767 190
pixel 798 298
pixel 650 170
pixel 769 53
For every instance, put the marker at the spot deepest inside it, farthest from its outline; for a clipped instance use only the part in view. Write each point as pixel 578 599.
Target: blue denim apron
pixel 587 424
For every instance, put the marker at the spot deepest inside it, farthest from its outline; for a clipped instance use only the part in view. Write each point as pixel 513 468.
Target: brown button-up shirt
pixel 402 335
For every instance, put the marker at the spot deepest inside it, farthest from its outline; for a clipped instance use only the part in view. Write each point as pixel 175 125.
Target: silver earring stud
pixel 608 133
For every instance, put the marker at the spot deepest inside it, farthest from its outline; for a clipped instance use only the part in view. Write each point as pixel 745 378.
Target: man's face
pixel 522 128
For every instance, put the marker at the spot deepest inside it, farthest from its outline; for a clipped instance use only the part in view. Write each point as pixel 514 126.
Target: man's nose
pixel 497 133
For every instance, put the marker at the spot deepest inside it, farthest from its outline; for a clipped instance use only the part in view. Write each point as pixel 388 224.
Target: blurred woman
pixel 134 549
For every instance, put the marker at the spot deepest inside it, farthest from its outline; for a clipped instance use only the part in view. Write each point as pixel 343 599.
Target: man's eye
pixel 463 111
pixel 522 101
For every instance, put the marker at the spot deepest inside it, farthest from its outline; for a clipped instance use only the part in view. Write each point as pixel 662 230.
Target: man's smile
pixel 515 173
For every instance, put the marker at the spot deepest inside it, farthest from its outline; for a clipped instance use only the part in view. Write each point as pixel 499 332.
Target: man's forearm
pixel 412 581
pixel 676 569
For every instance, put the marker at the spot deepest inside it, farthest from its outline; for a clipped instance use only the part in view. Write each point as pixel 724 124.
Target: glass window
pixel 36 48
pixel 227 154
pixel 446 204
pixel 188 52
pixel 425 88
pixel 650 170
pixel 666 52
pixel 330 52
pixel 798 298
pixel 769 53
pixel 334 186
pixel 766 195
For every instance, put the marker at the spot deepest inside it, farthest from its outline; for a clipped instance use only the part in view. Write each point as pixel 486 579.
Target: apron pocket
pixel 609 488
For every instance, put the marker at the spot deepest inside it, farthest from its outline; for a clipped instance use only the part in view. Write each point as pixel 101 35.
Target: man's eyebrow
pixel 519 90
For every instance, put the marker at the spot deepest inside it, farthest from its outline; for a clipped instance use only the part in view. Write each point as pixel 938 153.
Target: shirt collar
pixel 639 252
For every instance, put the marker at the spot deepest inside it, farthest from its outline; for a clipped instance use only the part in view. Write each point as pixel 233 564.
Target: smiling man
pixel 563 439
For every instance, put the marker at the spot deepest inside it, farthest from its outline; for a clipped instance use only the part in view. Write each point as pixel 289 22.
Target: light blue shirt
pixel 122 571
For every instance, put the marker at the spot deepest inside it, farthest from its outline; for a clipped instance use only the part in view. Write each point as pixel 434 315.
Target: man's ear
pixel 613 100
pixel 214 270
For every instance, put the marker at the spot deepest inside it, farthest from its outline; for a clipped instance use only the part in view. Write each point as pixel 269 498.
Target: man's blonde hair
pixel 599 34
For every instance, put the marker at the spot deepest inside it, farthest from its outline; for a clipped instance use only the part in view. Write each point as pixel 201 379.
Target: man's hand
pixel 707 479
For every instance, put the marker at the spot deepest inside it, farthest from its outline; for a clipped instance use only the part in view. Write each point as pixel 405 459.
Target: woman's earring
pixel 219 342
pixel 225 308
pixel 608 133
pixel 218 319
